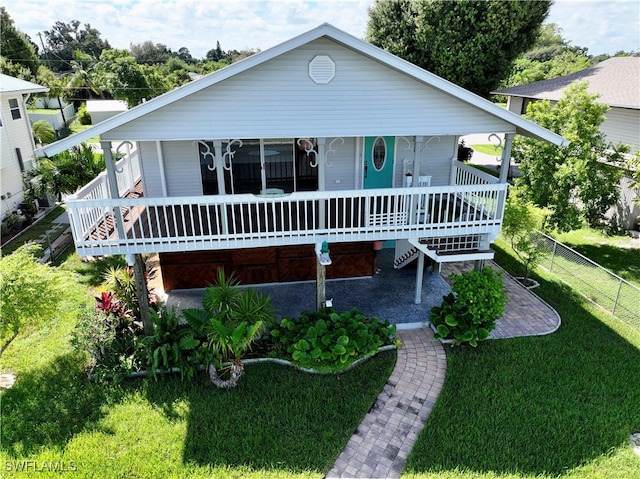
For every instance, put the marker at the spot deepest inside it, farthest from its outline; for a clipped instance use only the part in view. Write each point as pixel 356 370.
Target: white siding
pixel 514 104
pixel 15 134
pixel 341 174
pixel 182 168
pixel 278 99
pixel 435 158
pixel 151 179
pixel 622 125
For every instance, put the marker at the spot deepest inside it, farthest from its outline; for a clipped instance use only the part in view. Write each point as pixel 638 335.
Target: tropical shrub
pixel 326 339
pixel 109 336
pixel 84 117
pixel 468 314
pixel 172 345
pixel 229 323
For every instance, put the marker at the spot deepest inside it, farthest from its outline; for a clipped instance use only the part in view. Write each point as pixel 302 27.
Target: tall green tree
pixel 123 77
pixel 470 43
pixel 149 53
pixel 64 39
pixel 15 46
pixel 578 182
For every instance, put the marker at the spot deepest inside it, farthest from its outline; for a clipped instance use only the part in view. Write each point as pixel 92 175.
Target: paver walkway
pixel 381 444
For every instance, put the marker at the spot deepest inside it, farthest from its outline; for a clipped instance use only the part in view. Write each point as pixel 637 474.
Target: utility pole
pixel 64 120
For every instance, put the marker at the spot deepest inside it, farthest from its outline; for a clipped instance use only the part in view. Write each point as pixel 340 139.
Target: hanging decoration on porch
pixel 206 152
pixel 120 154
pixel 309 146
pixel 332 150
pixel 228 155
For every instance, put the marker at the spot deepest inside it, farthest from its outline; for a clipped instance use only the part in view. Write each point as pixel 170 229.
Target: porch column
pixel 139 270
pixel 419 276
pixel 322 161
pixel 163 179
pixel 112 179
pixel 217 147
pixel 417 146
pixel 505 161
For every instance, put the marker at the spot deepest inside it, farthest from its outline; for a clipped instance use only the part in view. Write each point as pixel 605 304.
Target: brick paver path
pixel 381 444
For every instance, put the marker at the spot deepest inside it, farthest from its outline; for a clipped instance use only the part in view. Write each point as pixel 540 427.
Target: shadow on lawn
pixel 535 406
pixel 625 262
pixel 48 406
pixel 277 418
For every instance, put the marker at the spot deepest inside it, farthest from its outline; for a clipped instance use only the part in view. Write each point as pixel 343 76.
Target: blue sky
pixel 601 26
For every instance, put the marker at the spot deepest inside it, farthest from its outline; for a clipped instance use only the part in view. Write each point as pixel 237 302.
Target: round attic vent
pixel 322 69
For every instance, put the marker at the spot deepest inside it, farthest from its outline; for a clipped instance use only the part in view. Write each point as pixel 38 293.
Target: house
pixel 291 163
pixel 17 139
pixel 100 110
pixel 617 82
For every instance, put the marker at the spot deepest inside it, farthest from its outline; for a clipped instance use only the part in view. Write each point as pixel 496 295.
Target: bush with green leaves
pixel 468 314
pixel 229 323
pixel 109 335
pixel 326 339
pixel 172 345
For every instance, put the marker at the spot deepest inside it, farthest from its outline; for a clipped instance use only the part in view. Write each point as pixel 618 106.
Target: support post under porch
pixel 139 273
pixel 419 278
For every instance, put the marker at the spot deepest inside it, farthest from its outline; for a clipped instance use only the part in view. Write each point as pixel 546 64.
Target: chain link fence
pixel 599 285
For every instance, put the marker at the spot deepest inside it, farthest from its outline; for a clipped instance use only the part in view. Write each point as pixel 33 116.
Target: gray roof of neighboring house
pixel 10 84
pixel 617 80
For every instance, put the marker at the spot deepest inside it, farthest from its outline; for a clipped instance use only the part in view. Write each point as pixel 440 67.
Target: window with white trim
pixel 14 107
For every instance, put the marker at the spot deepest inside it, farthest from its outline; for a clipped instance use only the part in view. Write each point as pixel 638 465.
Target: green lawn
pixel 619 254
pixel 34 231
pixel 562 405
pixel 277 423
pixel 486 149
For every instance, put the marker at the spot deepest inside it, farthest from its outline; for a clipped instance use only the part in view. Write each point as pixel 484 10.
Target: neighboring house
pixel 17 139
pixel 254 167
pixel 101 110
pixel 617 81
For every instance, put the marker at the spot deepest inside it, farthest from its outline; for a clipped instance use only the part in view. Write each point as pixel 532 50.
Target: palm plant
pixel 231 321
pixel 43 132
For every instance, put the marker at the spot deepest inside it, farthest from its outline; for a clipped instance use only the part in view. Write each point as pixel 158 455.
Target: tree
pixel 64 39
pixel 519 225
pixel 578 182
pixel 82 82
pixel 471 43
pixel 65 172
pixel 43 132
pixel 30 292
pixel 123 77
pixel 148 53
pixel 15 45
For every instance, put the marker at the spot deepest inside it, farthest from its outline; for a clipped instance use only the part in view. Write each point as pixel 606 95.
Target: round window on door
pixel 379 153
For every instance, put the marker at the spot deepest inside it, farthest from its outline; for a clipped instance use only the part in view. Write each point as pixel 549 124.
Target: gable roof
pixel 521 125
pixel 9 84
pixel 617 80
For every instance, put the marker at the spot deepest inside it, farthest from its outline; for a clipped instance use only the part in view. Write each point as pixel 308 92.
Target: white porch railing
pixel 117 226
pixel 127 172
pixel 468 175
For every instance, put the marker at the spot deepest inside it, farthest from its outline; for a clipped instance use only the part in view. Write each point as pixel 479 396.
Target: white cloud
pixel 602 26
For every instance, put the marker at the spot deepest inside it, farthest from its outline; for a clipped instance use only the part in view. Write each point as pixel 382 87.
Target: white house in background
pixel 17 139
pixel 101 110
pixel 617 81
pixel 321 139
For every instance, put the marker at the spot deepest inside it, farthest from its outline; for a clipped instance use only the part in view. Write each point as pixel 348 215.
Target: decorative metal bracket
pixel 307 145
pixel 331 149
pixel 228 155
pixel 499 145
pixel 115 160
pixel 207 153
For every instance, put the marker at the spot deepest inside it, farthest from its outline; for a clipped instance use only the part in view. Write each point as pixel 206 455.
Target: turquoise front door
pixel 378 161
